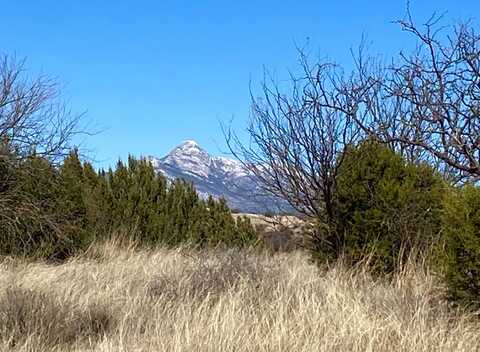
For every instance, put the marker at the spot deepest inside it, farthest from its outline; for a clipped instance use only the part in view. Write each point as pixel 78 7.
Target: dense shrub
pixel 461 250
pixel 384 207
pixel 132 198
pixel 53 213
pixel 154 211
pixel 33 220
pixel 219 226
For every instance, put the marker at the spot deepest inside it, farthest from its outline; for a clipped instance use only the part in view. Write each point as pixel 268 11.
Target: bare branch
pixel 297 137
pixel 32 116
pixel 428 101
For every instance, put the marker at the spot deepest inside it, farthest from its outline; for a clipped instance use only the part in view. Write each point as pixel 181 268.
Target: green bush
pixel 32 218
pixel 133 198
pixel 155 211
pixel 55 212
pixel 461 250
pixel 222 229
pixel 384 208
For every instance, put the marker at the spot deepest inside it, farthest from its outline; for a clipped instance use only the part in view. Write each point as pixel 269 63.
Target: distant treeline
pixel 54 212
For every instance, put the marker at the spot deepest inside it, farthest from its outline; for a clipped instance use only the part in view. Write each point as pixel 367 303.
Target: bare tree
pixel 297 137
pixel 36 131
pixel 425 105
pixel 427 102
pixel 32 117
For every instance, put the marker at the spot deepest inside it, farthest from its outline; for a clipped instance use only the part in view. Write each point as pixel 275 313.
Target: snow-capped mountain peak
pixel 190 157
pixel 213 175
pixel 189 147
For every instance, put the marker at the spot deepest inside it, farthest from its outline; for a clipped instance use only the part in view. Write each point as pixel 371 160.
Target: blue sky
pixel 153 73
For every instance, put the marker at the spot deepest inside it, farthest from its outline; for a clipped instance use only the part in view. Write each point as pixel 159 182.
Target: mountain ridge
pixel 216 176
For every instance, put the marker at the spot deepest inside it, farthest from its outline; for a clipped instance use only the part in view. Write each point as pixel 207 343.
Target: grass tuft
pixel 224 300
pixel 31 315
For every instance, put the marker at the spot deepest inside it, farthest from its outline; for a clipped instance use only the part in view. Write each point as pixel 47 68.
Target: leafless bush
pixel 212 273
pixel 280 240
pixel 297 134
pixel 425 104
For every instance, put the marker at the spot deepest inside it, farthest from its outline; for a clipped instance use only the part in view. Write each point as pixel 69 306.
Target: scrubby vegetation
pixel 383 159
pixel 382 164
pixel 378 206
pixel 54 213
pixel 384 207
pixel 461 247
pixel 30 317
pixel 113 299
pixel 387 209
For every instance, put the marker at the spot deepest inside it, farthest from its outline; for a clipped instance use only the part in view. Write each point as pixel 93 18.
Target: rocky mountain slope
pixel 216 176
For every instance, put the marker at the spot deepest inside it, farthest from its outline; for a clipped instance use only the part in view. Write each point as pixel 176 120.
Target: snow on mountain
pixel 216 176
pixel 189 157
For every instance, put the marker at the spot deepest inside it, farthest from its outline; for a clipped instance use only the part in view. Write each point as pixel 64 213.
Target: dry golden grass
pixel 181 300
pixel 279 232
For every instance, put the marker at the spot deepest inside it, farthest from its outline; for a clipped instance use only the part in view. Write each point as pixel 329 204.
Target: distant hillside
pixel 216 176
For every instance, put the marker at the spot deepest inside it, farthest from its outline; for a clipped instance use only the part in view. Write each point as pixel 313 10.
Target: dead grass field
pixel 181 300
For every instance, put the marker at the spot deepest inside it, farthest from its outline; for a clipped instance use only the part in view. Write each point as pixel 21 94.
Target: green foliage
pixel 461 251
pixel 53 213
pixel 32 220
pixel 143 203
pixel 246 233
pixel 219 226
pixel 73 191
pixel 384 207
pixel 133 197
pixel 182 210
